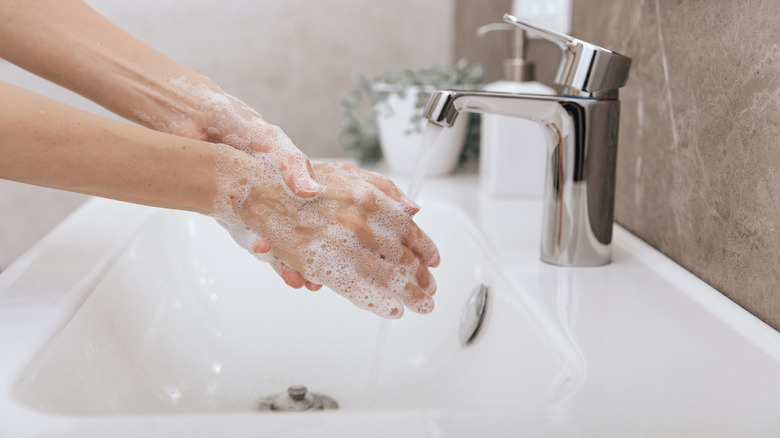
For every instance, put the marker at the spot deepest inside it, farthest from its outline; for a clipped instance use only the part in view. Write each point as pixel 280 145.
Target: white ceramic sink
pixel 186 321
pixel 131 321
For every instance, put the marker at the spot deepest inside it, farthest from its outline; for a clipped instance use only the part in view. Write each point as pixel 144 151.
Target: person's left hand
pixel 221 118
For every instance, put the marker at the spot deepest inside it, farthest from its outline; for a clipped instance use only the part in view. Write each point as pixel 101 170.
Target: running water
pixel 430 135
pixel 373 376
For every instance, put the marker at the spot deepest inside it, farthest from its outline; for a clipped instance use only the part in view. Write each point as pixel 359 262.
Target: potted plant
pixel 394 123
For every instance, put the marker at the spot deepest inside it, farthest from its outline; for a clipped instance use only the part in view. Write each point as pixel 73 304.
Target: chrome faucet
pixel 581 127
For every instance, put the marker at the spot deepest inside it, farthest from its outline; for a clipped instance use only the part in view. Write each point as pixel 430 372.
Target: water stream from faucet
pixel 430 135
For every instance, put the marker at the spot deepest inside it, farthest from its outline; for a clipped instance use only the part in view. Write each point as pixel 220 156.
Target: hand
pixel 221 118
pixel 357 236
pixel 293 278
pixel 209 114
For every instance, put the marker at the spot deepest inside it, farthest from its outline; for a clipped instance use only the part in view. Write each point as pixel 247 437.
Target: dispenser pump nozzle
pixel 517 68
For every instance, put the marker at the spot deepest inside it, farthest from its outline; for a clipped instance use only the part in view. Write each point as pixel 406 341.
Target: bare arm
pixel 69 43
pixel 48 143
pixel 353 236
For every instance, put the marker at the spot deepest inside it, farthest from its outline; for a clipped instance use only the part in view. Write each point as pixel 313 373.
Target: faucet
pixel 581 128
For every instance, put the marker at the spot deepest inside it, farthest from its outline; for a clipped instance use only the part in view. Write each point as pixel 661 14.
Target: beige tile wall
pixel 699 164
pixel 699 161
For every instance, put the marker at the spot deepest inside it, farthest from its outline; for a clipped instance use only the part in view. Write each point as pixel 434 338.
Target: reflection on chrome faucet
pixel 581 127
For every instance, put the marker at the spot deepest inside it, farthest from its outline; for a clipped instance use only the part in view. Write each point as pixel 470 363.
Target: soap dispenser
pixel 505 169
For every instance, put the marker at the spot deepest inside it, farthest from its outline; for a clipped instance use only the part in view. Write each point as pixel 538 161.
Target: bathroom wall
pixel 491 49
pixel 699 164
pixel 290 59
pixel 699 161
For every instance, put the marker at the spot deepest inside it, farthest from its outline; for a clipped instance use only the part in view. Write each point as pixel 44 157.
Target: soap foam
pixel 325 238
pixel 210 114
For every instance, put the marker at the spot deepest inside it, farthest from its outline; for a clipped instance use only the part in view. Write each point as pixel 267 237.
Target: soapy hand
pixel 292 277
pixel 221 118
pixel 356 236
pixel 209 114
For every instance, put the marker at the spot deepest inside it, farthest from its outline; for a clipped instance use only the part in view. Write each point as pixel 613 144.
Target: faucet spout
pixel 444 106
pixel 581 136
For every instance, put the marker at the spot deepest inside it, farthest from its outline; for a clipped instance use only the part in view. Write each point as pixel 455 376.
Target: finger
pixel 397 281
pixel 261 246
pixel 387 307
pixel 356 222
pixel 369 287
pixel 425 281
pixel 313 286
pixel 299 176
pixel 410 268
pixel 390 189
pixel 416 300
pixel 295 166
pixel 375 300
pixel 422 246
pixel 288 274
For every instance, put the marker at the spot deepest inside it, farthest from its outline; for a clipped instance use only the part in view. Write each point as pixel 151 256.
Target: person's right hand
pixel 354 237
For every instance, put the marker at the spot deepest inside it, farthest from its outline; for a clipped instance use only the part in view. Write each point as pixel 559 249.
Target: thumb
pixel 299 177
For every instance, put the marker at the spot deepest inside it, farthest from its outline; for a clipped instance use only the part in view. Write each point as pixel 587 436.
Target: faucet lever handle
pixel 553 36
pixel 586 68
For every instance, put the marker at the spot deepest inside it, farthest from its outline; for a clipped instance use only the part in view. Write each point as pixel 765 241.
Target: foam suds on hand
pixel 234 123
pixel 348 237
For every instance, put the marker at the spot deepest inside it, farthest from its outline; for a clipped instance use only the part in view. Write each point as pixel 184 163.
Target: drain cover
pixel 297 399
pixel 473 314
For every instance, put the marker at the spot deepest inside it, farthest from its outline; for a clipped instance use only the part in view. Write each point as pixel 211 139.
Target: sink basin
pixel 185 321
pixel 133 321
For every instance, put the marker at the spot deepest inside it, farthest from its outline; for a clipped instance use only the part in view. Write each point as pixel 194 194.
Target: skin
pixel 170 160
pixel 388 256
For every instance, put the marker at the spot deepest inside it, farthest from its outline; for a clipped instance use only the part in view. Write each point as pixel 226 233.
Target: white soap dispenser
pixel 513 151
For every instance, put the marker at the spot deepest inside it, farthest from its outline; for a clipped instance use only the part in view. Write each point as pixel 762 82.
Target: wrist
pixel 176 106
pixel 246 186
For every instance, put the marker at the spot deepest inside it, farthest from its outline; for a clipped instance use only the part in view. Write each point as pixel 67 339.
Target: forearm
pixel 69 43
pixel 51 144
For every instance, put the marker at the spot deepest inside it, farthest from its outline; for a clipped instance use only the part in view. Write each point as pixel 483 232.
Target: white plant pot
pixel 400 134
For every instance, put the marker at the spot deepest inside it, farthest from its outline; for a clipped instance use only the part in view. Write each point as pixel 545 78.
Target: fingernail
pixel 309 185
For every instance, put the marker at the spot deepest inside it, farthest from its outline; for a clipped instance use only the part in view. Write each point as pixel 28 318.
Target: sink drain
pixel 473 314
pixel 297 399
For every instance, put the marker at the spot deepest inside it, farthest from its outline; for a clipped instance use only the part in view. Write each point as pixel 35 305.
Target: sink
pixel 185 321
pixel 180 320
pixel 135 321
